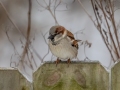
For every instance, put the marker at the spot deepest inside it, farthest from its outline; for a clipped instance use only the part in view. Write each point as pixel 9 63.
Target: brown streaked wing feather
pixel 69 34
pixel 75 43
pixel 59 30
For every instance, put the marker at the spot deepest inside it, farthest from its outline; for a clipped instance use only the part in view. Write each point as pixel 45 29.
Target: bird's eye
pixel 73 45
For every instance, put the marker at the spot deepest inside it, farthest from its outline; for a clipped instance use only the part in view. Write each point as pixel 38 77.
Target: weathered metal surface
pixel 78 76
pixel 11 79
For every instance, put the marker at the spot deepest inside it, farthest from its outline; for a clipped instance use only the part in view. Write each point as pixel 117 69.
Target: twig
pixel 25 51
pixel 49 9
pixel 111 37
pixel 55 7
pixel 99 27
pixel 12 43
pixel 46 44
pixel 114 26
pixel 19 29
pixel 87 12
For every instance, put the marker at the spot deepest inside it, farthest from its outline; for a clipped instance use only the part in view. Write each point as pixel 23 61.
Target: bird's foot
pixel 57 61
pixel 68 62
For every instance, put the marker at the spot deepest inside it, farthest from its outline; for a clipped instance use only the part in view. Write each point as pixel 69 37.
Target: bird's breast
pixel 63 50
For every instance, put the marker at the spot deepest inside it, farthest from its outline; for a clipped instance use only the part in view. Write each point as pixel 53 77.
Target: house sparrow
pixel 62 44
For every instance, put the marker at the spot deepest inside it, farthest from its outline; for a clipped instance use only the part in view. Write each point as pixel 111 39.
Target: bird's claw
pixel 68 62
pixel 57 61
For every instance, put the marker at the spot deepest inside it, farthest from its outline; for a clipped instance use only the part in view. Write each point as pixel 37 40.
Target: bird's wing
pixel 70 35
pixel 74 42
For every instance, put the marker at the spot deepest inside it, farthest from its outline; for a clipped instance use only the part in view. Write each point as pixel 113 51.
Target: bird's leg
pixel 68 62
pixel 57 61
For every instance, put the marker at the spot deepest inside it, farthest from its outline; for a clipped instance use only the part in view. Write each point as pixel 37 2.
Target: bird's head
pixel 57 31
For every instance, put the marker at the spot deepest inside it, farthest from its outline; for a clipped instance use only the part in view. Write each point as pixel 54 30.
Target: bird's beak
pixel 51 37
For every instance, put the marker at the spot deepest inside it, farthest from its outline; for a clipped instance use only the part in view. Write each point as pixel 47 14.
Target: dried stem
pixel 10 18
pixel 25 51
pixel 108 14
pixel 109 18
pixel 87 12
pixel 16 52
pixel 48 7
pixel 111 37
pixel 46 44
pixel 19 30
pixel 114 26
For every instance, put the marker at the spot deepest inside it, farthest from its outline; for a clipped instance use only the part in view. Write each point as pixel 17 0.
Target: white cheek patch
pixel 64 34
pixel 58 38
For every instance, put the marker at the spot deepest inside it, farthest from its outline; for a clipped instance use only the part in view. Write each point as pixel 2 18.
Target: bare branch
pixel 10 18
pixel 16 52
pixel 25 51
pixel 46 44
pixel 48 7
pixel 87 12
pixel 19 29
pixel 99 26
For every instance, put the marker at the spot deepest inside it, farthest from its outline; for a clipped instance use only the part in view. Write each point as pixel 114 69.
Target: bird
pixel 62 44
